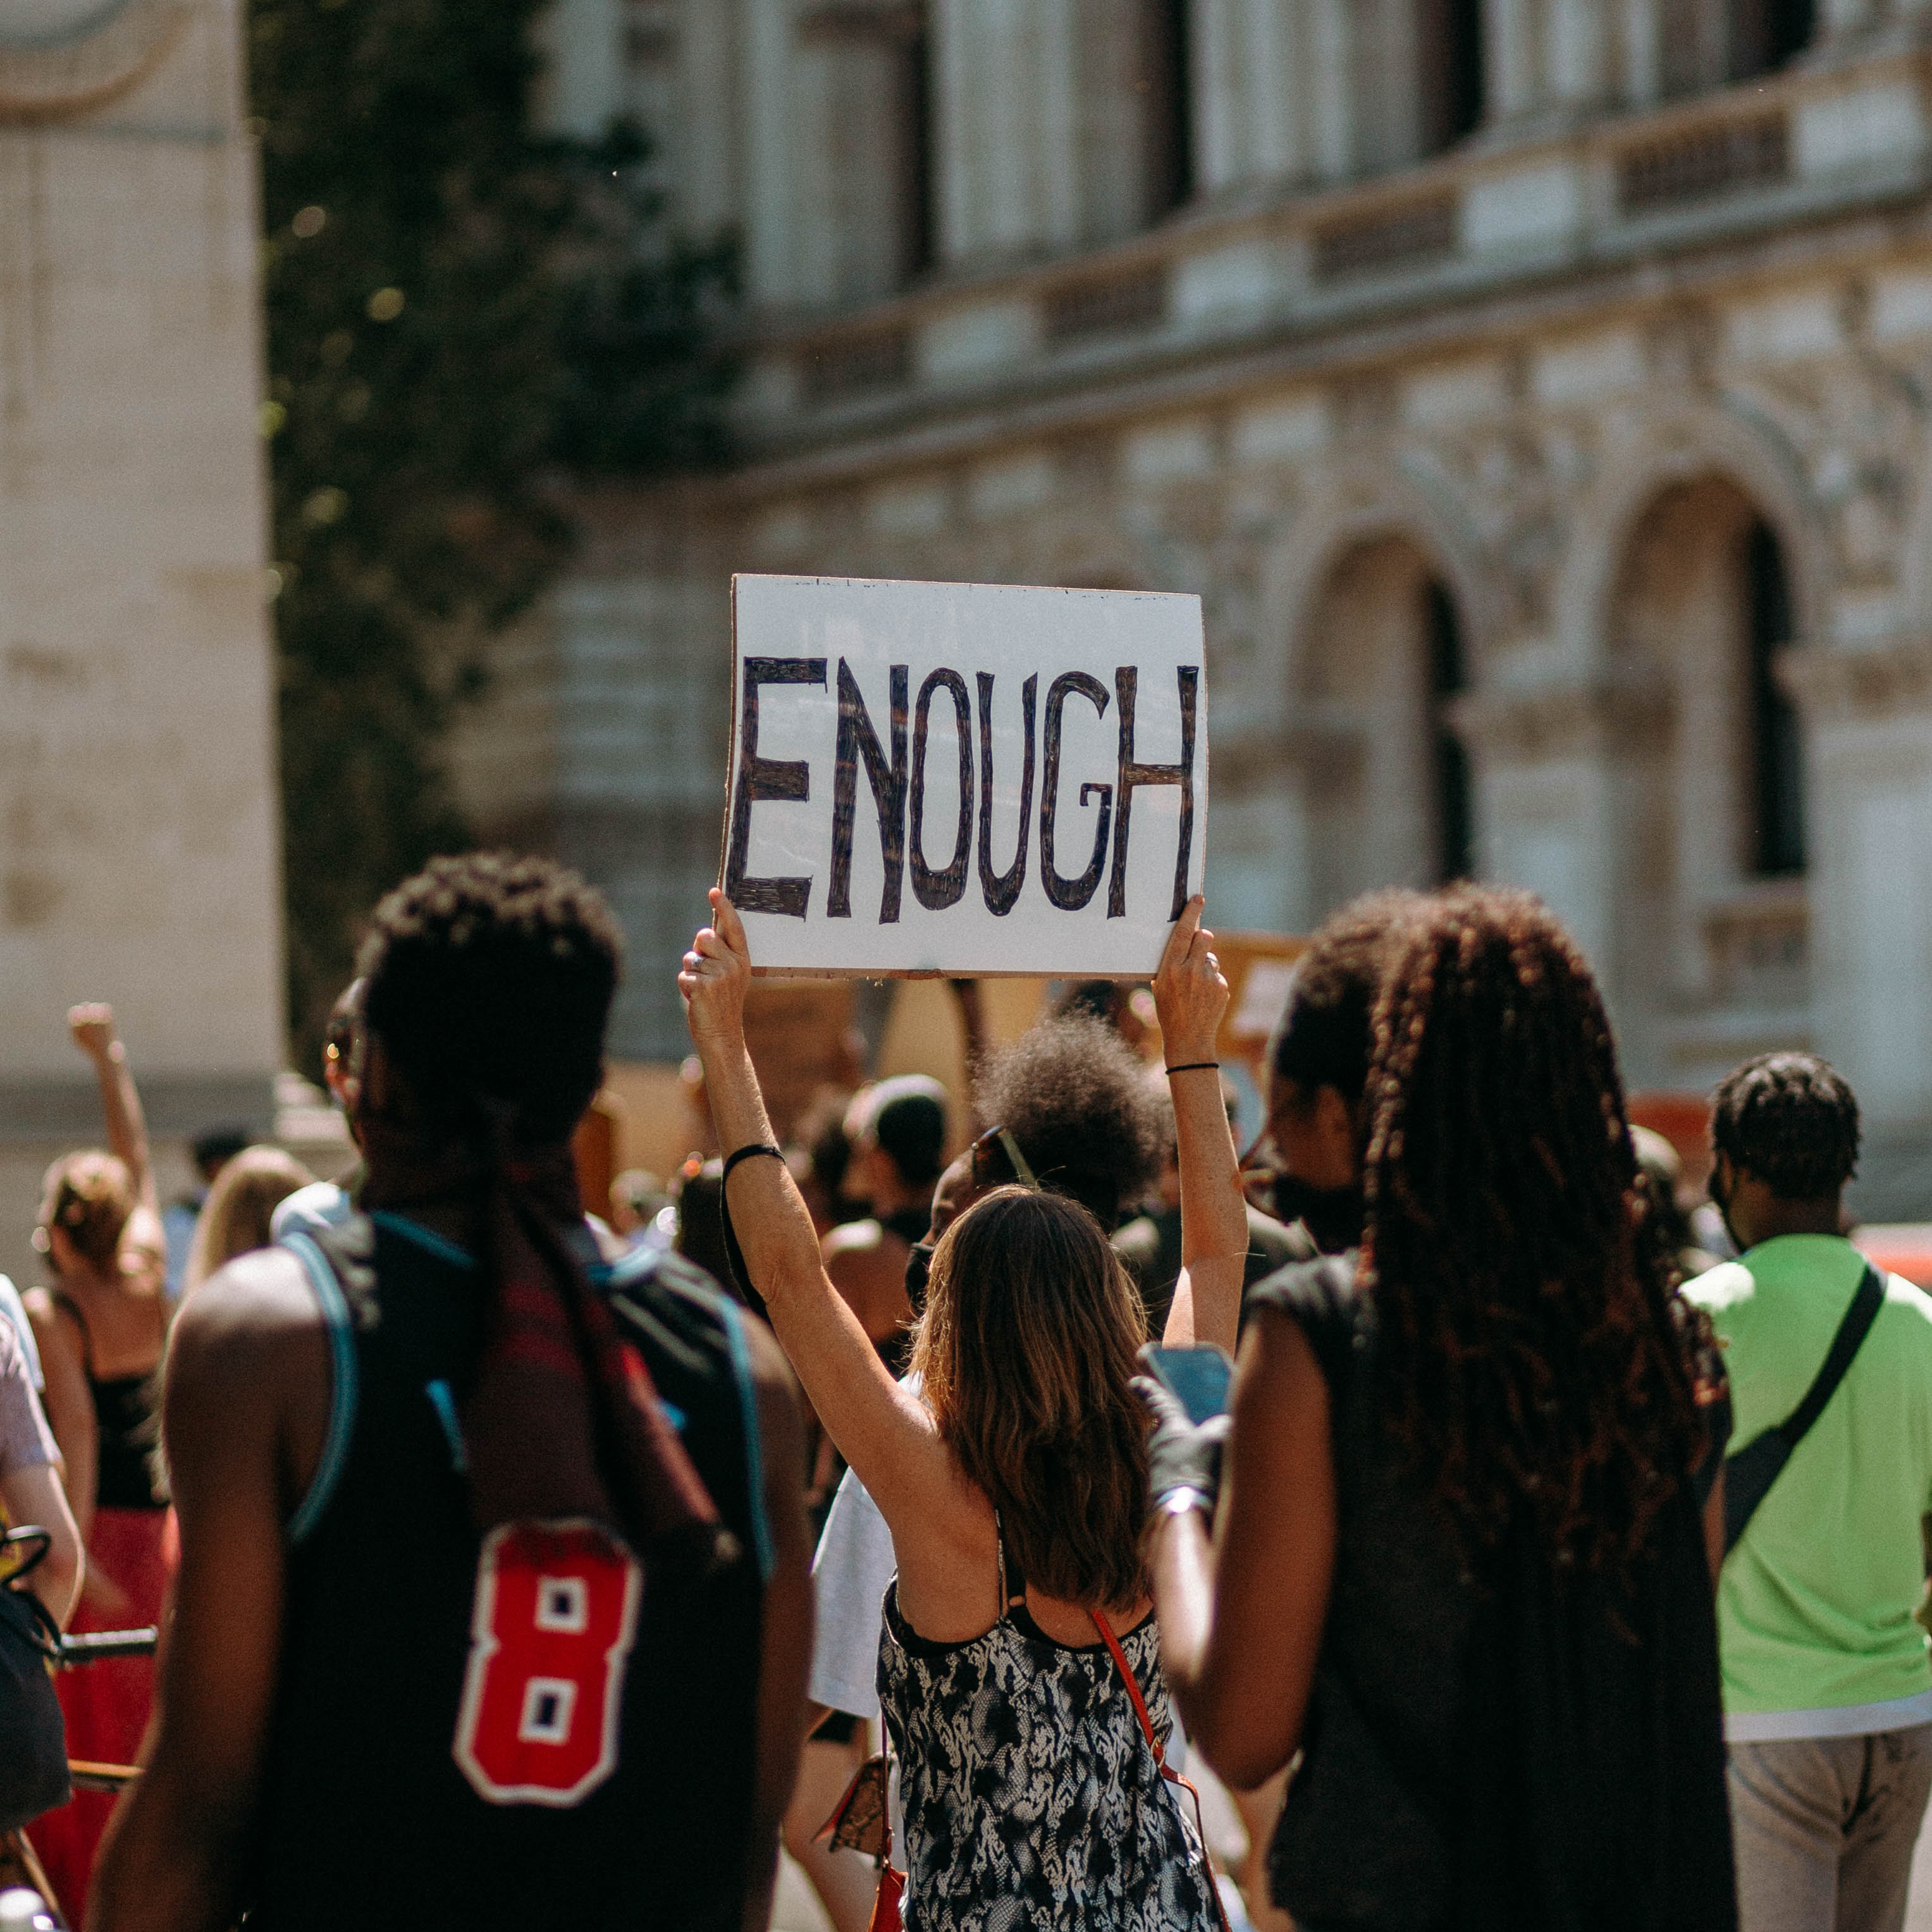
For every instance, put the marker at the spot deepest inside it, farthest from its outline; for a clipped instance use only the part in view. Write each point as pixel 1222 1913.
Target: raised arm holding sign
pixel 882 814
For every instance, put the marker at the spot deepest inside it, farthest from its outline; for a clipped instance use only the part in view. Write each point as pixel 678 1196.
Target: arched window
pixel 1777 750
pixel 1449 39
pixel 1455 833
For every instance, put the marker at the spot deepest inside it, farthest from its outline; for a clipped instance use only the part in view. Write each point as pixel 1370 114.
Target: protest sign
pixel 968 779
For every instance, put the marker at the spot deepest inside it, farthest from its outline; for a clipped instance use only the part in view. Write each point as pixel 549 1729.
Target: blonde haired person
pixel 1015 1490
pixel 101 1325
pixel 236 1216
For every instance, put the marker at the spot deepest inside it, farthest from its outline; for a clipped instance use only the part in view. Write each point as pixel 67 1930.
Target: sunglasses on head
pixel 994 1148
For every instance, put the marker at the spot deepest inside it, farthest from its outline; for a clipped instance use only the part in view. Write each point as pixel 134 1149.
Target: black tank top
pixel 123 1426
pixel 1514 1748
pixel 366 1819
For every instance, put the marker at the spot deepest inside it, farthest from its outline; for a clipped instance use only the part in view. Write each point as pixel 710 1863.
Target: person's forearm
pixel 1213 1214
pixel 1181 1567
pixel 769 1215
pixel 165 1866
pixel 1206 1306
pixel 127 1125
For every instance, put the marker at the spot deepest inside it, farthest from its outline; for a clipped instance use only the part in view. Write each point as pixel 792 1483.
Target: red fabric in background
pixel 106 1704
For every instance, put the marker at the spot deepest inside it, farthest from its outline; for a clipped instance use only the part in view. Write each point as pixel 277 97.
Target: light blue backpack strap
pixel 342 1385
pixel 762 1543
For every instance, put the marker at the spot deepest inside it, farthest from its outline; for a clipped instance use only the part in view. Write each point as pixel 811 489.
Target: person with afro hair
pixel 1828 1694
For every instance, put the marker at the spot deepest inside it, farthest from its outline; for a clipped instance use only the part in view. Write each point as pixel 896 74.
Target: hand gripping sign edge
pixel 496 1736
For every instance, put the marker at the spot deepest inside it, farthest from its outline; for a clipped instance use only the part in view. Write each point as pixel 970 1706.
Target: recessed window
pixel 1167 89
pixel 1777 748
pixel 1450 41
pixel 1448 677
pixel 1765 34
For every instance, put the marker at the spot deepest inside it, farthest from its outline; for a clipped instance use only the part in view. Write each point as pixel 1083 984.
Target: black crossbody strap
pixel 1749 1475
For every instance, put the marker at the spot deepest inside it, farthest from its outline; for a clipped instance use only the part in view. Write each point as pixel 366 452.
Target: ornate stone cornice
pixel 1880 682
pixel 1569 721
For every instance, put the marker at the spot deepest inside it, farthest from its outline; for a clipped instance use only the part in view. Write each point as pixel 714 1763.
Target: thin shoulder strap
pixel 1012 1578
pixel 61 1299
pixel 1120 1656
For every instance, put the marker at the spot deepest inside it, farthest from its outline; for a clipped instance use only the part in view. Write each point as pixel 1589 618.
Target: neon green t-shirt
pixel 1814 1605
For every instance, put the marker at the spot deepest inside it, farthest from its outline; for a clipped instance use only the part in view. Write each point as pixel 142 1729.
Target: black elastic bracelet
pixel 750 1152
pixel 1197 1066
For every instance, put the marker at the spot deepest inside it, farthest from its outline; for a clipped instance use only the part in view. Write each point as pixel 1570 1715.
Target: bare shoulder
pixel 57 1333
pixel 1277 1365
pixel 258 1311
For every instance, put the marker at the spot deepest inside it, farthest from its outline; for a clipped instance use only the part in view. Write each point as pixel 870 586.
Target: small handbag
pixel 1174 1778
pixel 862 1821
pixel 33 1765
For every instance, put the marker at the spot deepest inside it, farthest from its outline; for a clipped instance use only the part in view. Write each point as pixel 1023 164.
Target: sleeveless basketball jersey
pixel 535 1731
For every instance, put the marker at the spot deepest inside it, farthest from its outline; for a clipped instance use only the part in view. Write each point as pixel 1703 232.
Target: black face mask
pixel 1332 1215
pixel 1722 1202
pixel 919 1267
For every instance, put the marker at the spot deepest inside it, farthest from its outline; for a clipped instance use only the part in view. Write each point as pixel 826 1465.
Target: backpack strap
pixel 1750 1474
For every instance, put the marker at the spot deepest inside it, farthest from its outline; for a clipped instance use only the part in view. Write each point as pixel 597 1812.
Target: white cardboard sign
pixel 969 779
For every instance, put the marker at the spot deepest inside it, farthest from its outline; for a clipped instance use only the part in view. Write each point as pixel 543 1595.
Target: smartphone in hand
pixel 1197 1378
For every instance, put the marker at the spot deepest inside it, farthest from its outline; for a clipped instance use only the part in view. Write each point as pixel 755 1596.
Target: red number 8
pixel 553 1619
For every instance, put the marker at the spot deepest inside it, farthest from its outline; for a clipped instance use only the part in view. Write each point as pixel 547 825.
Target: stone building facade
pixel 1536 392
pixel 138 845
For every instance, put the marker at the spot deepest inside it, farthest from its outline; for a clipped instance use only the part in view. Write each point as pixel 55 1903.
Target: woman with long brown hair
pixel 1015 1487
pixel 1458 1561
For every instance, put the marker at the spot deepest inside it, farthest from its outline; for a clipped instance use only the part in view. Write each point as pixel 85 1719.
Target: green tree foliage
pixel 458 313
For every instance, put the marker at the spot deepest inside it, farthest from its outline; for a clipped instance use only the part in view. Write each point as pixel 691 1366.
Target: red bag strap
pixel 1139 1703
pixel 1120 1656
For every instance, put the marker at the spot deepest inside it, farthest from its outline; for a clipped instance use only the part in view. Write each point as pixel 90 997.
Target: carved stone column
pixel 1868 742
pixel 768 222
pixel 1576 52
pixel 1512 43
pixel 1331 61
pixel 1006 121
pixel 1562 808
pixel 1250 82
pixel 711 172
pixel 1267 812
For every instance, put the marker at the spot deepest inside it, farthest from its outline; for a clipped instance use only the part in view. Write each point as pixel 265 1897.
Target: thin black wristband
pixel 749 1152
pixel 1197 1066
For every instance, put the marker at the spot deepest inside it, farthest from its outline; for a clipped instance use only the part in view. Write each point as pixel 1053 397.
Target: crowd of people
pixel 1543 1568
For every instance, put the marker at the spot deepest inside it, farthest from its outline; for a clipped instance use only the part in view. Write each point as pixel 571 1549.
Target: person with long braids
pixel 493 1604
pixel 1458 1561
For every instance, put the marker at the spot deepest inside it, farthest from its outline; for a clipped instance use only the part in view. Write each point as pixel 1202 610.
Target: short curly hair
pixel 490 976
pixel 1074 1096
pixel 1790 1120
pixel 1326 1037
